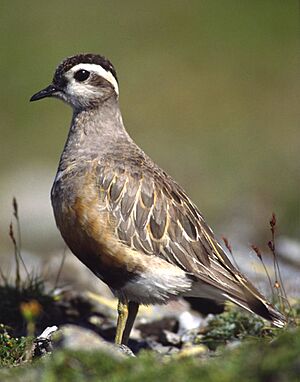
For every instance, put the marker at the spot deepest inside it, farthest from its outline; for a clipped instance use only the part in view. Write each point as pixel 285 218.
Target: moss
pixel 12 349
pixel 233 325
pixel 259 360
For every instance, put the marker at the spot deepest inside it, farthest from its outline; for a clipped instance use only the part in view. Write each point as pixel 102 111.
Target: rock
pixel 193 351
pixel 189 321
pixel 154 330
pixel 78 338
pixel 43 343
pixel 161 349
pixel 189 336
pixel 169 338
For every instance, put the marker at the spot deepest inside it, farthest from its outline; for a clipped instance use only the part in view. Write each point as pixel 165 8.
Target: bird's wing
pixel 154 215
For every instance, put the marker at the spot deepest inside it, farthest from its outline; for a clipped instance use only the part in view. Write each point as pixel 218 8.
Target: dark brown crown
pixel 88 58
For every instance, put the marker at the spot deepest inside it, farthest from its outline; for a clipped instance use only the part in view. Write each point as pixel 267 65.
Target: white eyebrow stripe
pixel 96 68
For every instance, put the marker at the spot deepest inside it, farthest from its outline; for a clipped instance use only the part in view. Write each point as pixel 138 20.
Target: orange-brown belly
pixel 88 228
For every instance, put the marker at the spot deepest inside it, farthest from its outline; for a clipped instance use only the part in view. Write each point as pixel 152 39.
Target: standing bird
pixel 125 218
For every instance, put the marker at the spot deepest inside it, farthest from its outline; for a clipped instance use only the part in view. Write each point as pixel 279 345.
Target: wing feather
pixel 153 215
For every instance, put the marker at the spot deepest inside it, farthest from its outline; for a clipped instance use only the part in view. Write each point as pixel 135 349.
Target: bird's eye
pixel 81 75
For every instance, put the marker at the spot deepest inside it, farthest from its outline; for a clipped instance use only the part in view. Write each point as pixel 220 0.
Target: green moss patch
pixel 260 360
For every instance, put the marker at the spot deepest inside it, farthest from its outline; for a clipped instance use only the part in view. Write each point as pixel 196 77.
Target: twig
pixel 19 246
pixel 259 255
pixel 3 277
pixel 228 246
pixel 60 267
pixel 279 285
pixel 12 236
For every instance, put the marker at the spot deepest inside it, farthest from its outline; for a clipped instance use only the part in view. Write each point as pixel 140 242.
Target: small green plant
pixel 21 303
pixel 24 304
pixel 233 325
pixel 31 311
pixel 12 298
pixel 12 350
pixel 17 312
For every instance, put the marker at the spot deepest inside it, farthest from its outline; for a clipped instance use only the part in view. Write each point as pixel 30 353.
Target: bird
pixel 124 217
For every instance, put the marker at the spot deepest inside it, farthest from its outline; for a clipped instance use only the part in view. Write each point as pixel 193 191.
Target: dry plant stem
pixel 271 245
pixel 16 215
pixel 19 246
pixel 3 277
pixel 282 296
pixel 228 246
pixel 12 236
pixel 259 255
pixel 278 280
pixel 60 267
pixel 30 328
pixel 29 349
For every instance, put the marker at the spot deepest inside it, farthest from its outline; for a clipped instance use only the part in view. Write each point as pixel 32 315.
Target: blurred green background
pixel 209 89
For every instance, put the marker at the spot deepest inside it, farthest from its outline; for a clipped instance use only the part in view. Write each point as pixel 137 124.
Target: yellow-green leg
pixel 127 312
pixel 121 323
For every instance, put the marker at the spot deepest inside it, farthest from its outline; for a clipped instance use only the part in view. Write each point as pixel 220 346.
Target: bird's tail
pixel 235 287
pixel 254 302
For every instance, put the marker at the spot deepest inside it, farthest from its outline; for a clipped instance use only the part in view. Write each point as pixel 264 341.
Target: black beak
pixel 49 91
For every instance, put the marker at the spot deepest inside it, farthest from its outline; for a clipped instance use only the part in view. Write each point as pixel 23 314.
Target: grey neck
pixel 94 132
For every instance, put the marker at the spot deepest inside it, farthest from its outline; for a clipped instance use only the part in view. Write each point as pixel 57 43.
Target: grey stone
pixel 77 338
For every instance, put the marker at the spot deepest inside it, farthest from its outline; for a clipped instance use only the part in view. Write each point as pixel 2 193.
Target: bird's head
pixel 83 81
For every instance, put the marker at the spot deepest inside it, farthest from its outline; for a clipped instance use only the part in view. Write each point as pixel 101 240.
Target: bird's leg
pixel 133 308
pixel 122 319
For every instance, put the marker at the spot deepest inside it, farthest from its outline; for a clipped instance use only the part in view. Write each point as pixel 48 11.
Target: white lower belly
pixel 156 286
